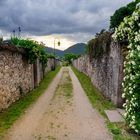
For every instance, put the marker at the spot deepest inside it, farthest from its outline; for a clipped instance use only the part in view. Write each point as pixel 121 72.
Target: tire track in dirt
pixel 62 113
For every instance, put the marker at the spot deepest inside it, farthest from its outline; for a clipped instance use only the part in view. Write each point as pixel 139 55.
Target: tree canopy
pixel 69 57
pixel 119 14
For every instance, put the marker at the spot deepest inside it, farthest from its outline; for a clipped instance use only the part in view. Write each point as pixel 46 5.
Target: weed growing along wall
pixel 106 72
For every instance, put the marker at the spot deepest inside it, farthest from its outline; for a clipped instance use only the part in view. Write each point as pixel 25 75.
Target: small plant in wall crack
pixel 130 29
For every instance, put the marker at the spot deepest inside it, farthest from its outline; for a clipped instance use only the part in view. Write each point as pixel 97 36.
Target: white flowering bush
pixel 129 29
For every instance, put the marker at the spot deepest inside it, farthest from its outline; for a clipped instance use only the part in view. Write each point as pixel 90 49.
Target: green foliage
pixel 65 87
pixel 33 49
pixel 51 55
pixel 129 29
pixel 119 14
pixel 116 131
pixel 99 45
pixel 69 57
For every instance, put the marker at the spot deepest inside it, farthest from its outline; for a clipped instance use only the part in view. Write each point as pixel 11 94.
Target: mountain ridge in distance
pixel 78 48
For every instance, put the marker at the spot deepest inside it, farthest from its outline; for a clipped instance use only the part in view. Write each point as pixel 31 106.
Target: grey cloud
pixel 43 17
pixel 2 2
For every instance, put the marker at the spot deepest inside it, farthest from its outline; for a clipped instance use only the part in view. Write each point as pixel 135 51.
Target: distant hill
pixel 78 48
pixel 57 52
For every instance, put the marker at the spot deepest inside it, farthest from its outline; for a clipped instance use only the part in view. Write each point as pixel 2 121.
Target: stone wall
pixel 106 73
pixel 50 64
pixel 17 76
pixel 39 71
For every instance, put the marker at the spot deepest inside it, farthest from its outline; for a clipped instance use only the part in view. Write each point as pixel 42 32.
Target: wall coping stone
pixel 12 48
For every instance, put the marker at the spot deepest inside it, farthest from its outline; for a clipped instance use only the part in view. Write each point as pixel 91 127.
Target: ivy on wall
pixel 33 49
pixel 130 29
pixel 100 45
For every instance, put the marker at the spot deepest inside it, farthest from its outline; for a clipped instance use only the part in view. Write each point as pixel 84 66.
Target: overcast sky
pixel 73 20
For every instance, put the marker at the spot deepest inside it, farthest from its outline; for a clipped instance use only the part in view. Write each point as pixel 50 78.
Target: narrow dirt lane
pixel 62 113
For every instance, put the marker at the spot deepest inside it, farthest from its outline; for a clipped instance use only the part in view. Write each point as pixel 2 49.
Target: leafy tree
pixel 69 57
pixel 119 14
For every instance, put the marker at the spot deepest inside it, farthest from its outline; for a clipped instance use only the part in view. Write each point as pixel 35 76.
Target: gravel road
pixel 63 112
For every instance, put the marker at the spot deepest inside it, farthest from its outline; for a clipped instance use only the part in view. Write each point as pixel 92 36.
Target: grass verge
pixel 100 103
pixel 9 116
pixel 65 86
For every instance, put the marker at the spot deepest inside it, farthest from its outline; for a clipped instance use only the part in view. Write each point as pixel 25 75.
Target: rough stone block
pixel 114 116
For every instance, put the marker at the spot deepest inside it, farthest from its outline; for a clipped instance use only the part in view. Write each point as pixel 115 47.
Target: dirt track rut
pixel 63 112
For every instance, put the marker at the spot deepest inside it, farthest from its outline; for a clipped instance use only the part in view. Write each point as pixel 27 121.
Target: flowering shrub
pixel 130 29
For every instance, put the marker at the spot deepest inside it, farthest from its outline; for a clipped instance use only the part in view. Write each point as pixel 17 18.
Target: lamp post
pixel 58 43
pixel 14 33
pixel 19 32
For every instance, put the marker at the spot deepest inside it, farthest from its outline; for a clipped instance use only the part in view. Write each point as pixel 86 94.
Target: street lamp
pixel 14 33
pixel 58 43
pixel 19 32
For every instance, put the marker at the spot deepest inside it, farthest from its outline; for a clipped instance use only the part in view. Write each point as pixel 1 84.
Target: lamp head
pixel 59 43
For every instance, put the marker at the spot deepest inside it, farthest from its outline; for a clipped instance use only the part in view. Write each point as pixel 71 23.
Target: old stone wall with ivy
pixel 17 75
pixel 50 64
pixel 106 72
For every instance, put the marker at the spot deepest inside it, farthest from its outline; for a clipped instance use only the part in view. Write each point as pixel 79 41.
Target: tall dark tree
pixel 119 14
